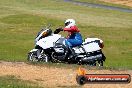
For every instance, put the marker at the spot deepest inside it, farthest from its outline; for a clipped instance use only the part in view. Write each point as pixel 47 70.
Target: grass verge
pixel 11 81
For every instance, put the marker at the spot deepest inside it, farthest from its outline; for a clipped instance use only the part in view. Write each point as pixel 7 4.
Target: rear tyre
pixel 101 63
pixel 94 63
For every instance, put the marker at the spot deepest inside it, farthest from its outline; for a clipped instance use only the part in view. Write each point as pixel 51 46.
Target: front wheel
pixel 32 57
pixel 44 58
pixel 41 57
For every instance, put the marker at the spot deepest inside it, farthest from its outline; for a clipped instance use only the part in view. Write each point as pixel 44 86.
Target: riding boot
pixel 73 54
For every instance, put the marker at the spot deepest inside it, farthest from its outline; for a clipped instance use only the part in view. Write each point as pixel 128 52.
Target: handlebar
pixel 58 30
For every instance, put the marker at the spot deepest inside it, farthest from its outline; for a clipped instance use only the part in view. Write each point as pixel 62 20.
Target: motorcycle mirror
pixel 46 27
pixel 49 25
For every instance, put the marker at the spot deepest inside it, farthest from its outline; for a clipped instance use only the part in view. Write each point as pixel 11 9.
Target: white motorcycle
pixel 51 47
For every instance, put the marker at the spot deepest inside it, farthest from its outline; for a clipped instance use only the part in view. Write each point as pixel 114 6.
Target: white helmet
pixel 69 23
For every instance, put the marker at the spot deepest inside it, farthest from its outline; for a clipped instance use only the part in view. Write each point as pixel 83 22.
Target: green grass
pixel 20 20
pixel 10 81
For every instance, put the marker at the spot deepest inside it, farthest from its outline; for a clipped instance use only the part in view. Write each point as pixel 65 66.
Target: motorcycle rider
pixel 74 37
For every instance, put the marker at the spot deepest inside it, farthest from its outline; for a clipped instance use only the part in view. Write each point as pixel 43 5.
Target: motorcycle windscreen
pixel 40 34
pixel 48 42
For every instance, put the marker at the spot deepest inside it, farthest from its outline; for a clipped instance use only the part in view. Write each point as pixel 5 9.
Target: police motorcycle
pixel 50 47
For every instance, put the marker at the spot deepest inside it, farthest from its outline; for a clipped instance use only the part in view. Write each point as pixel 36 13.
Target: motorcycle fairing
pixel 49 41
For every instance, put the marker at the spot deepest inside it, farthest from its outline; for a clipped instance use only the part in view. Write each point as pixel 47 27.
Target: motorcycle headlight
pixel 44 33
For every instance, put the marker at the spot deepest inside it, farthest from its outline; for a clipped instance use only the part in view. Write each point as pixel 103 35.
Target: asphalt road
pixel 92 5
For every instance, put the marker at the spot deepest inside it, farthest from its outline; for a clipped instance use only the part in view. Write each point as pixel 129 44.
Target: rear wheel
pixel 100 63
pixel 94 63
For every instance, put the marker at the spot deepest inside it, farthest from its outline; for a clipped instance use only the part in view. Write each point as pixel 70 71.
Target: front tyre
pixel 44 58
pixel 32 57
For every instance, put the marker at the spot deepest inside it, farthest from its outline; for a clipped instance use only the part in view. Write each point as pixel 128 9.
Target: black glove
pixel 58 30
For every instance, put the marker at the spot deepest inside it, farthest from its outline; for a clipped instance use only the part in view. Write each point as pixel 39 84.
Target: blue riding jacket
pixel 74 39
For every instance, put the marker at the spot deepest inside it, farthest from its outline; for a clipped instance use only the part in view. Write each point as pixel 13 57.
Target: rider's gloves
pixel 58 30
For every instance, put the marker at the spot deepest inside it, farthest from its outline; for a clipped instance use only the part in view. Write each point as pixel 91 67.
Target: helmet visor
pixel 67 23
